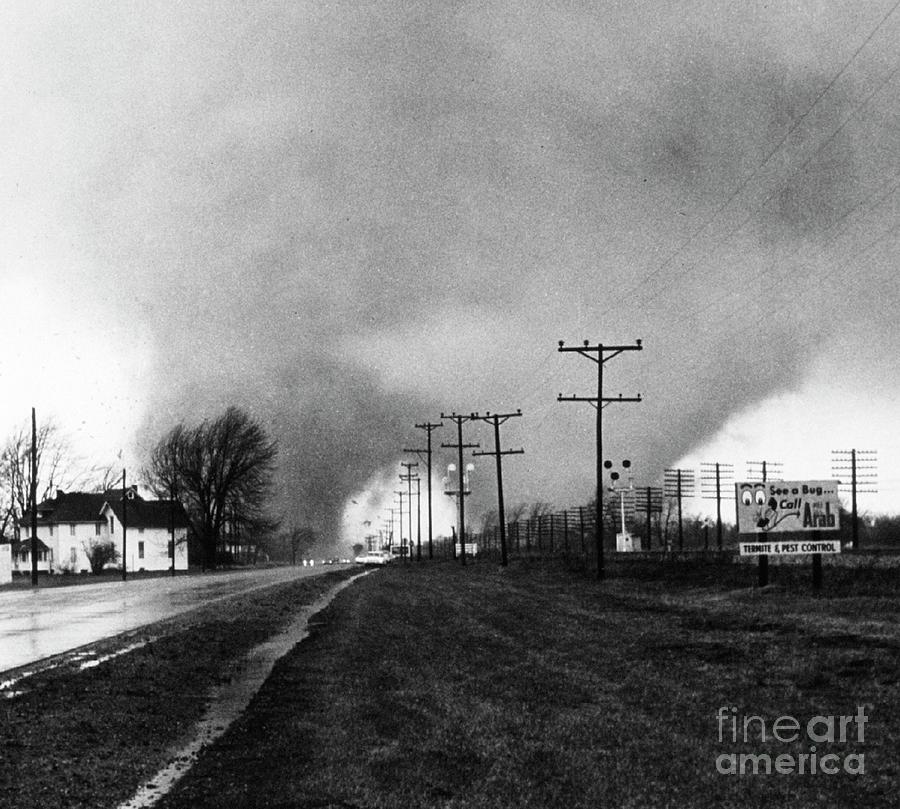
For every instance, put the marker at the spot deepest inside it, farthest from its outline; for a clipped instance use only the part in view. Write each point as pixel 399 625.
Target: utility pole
pixel 34 467
pixel 497 419
pixel 459 446
pixel 389 527
pixel 860 463
pixel 172 521
pixel 765 468
pixel 408 477
pixel 429 429
pixel 401 493
pixel 649 499
pixel 418 519
pixel 599 354
pixel 765 471
pixel 125 529
pixel 711 478
pixel 581 527
pixel 679 483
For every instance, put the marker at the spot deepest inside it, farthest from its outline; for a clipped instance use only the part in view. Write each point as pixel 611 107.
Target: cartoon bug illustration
pixel 767 515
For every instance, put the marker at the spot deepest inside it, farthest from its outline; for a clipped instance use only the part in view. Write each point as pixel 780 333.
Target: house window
pixel 51 529
pixel 24 556
pixel 98 528
pixel 71 529
pixel 140 550
pixel 112 525
pixel 141 530
pixel 73 555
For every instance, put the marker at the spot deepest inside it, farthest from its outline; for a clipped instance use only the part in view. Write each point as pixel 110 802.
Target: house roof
pixel 149 513
pixel 25 544
pixel 68 507
pixel 74 507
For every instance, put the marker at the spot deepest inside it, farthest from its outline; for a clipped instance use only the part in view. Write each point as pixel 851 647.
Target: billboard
pixel 779 506
pixel 830 546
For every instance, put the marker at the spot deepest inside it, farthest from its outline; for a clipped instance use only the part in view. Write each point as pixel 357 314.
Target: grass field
pixel 436 686
pixel 430 685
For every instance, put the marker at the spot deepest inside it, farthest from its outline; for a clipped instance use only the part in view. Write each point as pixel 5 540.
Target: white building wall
pixel 69 549
pixel 156 549
pixel 5 564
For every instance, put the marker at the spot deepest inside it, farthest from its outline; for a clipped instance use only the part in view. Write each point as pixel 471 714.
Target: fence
pixel 691 555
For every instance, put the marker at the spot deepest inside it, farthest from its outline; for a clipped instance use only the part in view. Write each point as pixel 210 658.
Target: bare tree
pixel 105 478
pixel 668 515
pixel 516 512
pixel 538 509
pixel 490 519
pixel 301 539
pixel 221 470
pixel 99 554
pixel 55 467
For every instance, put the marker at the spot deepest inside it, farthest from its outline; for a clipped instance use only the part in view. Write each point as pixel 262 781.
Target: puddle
pixel 228 701
pixel 80 660
pixel 89 664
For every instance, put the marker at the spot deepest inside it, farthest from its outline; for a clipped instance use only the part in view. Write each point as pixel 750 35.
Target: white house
pixel 149 536
pixel 68 524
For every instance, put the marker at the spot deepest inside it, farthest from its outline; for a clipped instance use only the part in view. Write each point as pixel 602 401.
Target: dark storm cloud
pixel 315 181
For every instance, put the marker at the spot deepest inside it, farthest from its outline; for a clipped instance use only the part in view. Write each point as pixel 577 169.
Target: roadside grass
pixel 436 686
pixel 87 738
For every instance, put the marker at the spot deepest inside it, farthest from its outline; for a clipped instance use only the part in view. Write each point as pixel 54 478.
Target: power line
pixel 745 182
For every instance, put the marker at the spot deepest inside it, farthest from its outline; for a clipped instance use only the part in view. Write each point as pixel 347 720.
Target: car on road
pixel 373 558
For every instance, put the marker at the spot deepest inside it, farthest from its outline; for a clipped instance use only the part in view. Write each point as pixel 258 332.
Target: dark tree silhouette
pixel 221 470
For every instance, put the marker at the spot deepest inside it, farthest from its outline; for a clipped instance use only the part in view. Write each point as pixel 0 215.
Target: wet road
pixel 35 624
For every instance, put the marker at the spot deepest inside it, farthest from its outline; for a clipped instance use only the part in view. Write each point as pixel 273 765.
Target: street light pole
pixel 614 476
pixel 459 446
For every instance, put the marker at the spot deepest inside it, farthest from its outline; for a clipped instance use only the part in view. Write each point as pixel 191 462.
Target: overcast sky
pixel 351 217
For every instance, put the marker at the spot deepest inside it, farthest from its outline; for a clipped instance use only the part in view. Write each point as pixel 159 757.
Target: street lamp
pixel 624 540
pixel 461 491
